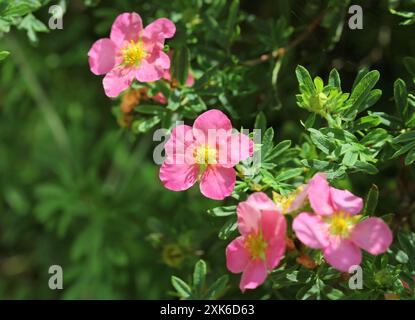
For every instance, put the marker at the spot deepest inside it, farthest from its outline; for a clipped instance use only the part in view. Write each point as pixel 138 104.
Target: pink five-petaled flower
pixel 131 52
pixel 262 242
pixel 207 152
pixel 335 228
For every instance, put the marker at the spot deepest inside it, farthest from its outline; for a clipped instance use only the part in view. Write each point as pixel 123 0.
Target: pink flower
pixel 206 152
pixel 262 242
pixel 293 201
pixel 336 229
pixel 131 52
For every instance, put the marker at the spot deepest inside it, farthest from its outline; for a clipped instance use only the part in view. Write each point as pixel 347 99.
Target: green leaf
pixel 228 107
pixel 228 228
pixel 174 100
pixel 222 211
pixel 267 142
pixel 21 7
pixel 181 64
pixel 199 276
pixel 400 94
pixel 334 79
pixel 318 83
pixel 304 80
pixel 408 15
pixel 410 157
pixel 367 122
pixel 309 122
pixel 409 63
pixel 4 55
pixel 32 26
pixel 371 200
pixel 163 87
pixel 233 16
pixel 278 150
pixel 144 125
pixel 321 141
pixel 360 75
pixel 407 242
pixel 366 167
pixel 404 149
pixel 288 174
pixel 362 91
pixel 261 122
pixel 335 294
pixel 350 158
pixel 404 137
pixel 181 287
pixel 217 288
pixel 401 257
pixel 150 109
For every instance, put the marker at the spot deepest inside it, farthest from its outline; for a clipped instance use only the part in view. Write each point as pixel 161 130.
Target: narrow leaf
pixel 181 287
pixel 400 94
pixel 304 79
pixel 199 275
pixel 181 64
pixel 371 200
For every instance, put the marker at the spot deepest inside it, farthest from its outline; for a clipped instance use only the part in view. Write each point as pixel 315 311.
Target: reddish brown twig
pixel 282 51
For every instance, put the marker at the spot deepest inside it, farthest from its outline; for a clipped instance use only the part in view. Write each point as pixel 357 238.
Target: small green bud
pixel 318 102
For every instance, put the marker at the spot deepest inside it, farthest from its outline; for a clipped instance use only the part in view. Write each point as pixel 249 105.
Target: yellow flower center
pixel 341 223
pixel 284 202
pixel 256 246
pixel 205 155
pixel 133 53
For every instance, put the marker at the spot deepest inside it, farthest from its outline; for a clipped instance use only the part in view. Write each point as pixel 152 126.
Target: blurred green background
pixel 79 191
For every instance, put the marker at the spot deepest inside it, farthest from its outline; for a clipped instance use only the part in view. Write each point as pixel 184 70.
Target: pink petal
pixel 190 80
pixel 238 147
pixel 158 30
pixel 261 201
pixel 152 68
pixel 273 225
pixel 342 254
pixel 210 125
pixel 249 218
pixel 237 258
pixel 372 235
pixel 344 200
pixel 167 75
pixel 299 200
pixel 117 80
pixel 275 252
pixel 274 228
pixel 102 56
pixel 163 60
pixel 179 148
pixel 311 230
pixel 319 195
pixel 254 275
pixel 178 177
pixel 126 27
pixel 159 98
pixel 217 182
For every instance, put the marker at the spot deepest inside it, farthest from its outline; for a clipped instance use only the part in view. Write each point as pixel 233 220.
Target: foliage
pixel 79 186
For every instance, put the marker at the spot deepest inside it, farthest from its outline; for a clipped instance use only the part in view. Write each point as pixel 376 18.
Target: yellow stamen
pixel 284 202
pixel 256 246
pixel 133 53
pixel 205 155
pixel 341 223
